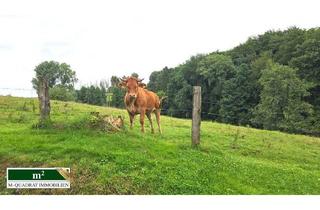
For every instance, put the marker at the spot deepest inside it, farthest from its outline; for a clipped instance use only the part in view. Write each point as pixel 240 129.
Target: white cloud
pixel 103 38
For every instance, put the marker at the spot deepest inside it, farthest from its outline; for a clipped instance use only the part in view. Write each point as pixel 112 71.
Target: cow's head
pixel 131 84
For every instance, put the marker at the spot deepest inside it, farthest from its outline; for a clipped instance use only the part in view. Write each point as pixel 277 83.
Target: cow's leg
pixel 157 112
pixel 150 120
pixel 131 120
pixel 142 113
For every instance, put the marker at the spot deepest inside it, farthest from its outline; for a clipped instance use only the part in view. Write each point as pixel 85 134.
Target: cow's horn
pixel 140 80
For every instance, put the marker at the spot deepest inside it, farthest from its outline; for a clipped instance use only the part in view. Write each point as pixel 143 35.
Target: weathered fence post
pixel 196 115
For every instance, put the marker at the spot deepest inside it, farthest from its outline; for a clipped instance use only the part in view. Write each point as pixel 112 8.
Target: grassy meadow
pixel 230 160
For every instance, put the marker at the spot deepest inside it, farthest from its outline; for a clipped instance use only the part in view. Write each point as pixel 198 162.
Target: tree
pixel 214 69
pixel 135 75
pixel 114 81
pixel 93 94
pixel 117 97
pixel 282 104
pixel 158 80
pixel 117 93
pixel 177 84
pixel 62 93
pixel 49 74
pixel 237 99
pixel 307 61
pixel 288 42
pixel 179 96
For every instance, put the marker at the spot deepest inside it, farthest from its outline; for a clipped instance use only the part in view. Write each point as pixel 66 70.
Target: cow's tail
pixel 161 100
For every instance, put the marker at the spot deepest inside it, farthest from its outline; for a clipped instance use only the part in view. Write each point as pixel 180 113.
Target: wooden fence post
pixel 196 115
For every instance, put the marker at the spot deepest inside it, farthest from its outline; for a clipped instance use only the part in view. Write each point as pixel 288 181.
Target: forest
pixel 272 81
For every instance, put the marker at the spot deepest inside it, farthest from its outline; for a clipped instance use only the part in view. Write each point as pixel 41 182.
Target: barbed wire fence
pixel 31 93
pixel 182 113
pixel 18 92
pixel 17 110
pixel 64 113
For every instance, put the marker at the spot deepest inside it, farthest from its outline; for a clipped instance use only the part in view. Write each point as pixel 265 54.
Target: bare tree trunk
pixel 44 101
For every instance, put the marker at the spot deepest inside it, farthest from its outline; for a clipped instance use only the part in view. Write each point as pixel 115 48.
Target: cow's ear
pixel 122 85
pixel 142 85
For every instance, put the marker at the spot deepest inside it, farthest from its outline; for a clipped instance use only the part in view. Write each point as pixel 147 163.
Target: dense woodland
pixel 271 81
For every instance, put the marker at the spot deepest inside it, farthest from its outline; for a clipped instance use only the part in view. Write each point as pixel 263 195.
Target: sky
pixel 101 38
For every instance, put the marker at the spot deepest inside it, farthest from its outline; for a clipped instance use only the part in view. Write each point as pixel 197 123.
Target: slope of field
pixel 231 159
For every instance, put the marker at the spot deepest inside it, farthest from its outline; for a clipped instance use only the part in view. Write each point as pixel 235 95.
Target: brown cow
pixel 139 100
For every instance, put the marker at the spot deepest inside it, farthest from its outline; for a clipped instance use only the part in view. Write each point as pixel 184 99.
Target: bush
pixel 62 93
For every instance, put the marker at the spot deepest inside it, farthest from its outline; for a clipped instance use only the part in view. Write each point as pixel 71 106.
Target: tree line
pixel 95 94
pixel 101 94
pixel 271 81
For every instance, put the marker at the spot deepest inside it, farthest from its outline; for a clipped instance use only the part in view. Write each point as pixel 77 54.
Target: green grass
pixel 230 160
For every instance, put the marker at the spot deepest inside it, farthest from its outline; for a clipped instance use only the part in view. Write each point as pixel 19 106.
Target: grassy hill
pixel 231 159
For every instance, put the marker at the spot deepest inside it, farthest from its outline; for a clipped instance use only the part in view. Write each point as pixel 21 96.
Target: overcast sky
pixel 104 38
